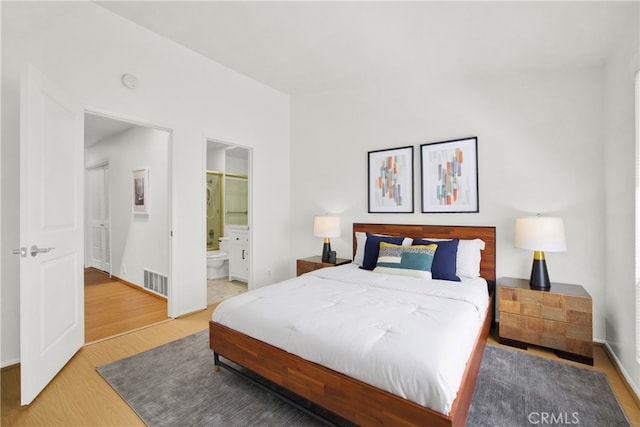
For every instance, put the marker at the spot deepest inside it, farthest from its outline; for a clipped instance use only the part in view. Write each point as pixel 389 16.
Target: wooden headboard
pixel 487 234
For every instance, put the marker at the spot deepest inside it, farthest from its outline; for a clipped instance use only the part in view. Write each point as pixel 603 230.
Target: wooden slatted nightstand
pixel 305 265
pixel 560 319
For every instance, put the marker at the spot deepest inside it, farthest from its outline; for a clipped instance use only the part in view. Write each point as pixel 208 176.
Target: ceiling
pixel 97 128
pixel 304 47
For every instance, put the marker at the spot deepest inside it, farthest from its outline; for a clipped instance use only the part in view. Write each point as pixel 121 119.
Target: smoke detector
pixel 130 81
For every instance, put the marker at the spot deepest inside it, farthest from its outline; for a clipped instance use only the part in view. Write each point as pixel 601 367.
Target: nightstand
pixel 305 265
pixel 560 319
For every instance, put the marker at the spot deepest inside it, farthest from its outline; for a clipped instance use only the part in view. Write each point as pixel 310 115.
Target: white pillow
pixel 468 258
pixel 361 240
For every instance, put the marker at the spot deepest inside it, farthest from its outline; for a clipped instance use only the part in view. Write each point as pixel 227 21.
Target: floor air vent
pixel 155 282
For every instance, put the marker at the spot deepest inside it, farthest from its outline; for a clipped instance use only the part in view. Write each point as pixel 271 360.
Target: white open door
pixel 51 232
pixel 98 216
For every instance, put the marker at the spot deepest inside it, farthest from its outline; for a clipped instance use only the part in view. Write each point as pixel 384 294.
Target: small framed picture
pixel 449 172
pixel 141 191
pixel 390 183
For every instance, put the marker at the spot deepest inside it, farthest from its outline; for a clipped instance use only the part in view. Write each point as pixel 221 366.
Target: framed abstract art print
pixel 449 172
pixel 390 184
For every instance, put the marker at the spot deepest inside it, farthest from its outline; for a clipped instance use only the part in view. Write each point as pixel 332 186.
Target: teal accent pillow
pixel 413 261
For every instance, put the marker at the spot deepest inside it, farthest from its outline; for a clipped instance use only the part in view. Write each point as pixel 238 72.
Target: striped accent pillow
pixel 414 261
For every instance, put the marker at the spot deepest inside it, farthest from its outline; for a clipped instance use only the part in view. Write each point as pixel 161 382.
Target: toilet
pixel 216 260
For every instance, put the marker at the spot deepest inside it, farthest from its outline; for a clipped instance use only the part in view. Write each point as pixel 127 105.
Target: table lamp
pixel 326 227
pixel 540 234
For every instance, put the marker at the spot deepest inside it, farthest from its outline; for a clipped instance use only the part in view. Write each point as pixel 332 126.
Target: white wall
pixel 85 49
pixel 540 147
pixel 219 160
pixel 237 165
pixel 619 252
pixel 216 158
pixel 559 143
pixel 138 242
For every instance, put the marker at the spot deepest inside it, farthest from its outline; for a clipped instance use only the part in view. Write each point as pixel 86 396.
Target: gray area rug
pixel 174 384
pixel 518 389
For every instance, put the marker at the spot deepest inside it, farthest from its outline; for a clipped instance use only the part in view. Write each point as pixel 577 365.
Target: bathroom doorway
pixel 228 213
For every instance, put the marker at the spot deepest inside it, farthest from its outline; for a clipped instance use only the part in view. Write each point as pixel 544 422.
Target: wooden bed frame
pixel 349 398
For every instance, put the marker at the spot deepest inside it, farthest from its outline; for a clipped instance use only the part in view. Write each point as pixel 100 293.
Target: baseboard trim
pixel 131 285
pixel 10 365
pixel 197 310
pixel 626 379
pixel 139 288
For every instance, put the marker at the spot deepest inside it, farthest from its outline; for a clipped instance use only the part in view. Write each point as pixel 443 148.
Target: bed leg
pixel 216 362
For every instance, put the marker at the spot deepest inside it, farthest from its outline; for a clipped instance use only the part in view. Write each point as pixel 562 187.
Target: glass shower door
pixel 214 210
pixel 236 200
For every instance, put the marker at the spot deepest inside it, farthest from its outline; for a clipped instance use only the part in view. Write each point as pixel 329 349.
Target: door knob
pixel 20 251
pixel 35 250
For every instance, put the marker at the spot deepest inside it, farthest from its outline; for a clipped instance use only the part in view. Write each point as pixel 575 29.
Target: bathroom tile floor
pixel 219 289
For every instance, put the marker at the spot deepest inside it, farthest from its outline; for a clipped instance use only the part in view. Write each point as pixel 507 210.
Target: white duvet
pixel 410 337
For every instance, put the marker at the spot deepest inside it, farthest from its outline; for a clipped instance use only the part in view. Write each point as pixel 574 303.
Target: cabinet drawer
pixel 545 305
pixel 519 301
pixel 521 328
pixel 567 337
pixel 547 333
pixel 554 307
pixel 579 311
pixel 578 318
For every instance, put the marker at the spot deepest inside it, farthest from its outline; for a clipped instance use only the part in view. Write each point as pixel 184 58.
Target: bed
pixel 296 360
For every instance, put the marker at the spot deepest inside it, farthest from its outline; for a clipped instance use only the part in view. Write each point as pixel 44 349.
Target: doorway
pixel 228 209
pixel 126 285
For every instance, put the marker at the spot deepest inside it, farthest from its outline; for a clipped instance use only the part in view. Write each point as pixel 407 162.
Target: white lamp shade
pixel 326 226
pixel 538 233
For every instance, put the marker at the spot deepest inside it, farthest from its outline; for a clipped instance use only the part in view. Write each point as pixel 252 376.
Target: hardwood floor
pixel 112 307
pixel 78 396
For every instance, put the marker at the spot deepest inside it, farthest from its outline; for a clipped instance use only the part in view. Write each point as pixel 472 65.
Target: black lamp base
pixel 326 249
pixel 539 274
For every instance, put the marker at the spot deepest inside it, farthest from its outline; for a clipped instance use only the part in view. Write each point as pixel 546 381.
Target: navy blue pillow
pixel 372 249
pixel 444 260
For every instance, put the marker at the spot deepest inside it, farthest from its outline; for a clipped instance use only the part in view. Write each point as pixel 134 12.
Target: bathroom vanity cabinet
pixel 239 255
